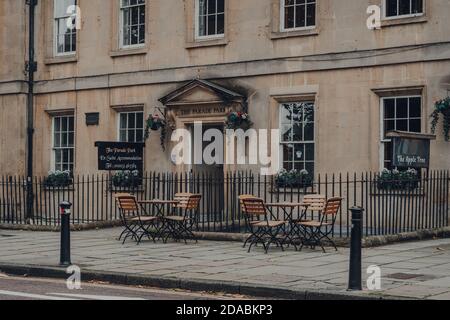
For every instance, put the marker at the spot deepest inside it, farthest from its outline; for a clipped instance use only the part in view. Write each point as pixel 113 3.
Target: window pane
pixel 288 152
pixel 202 26
pixel 285 116
pixel 415 106
pixel 309 132
pixel 388 151
pixel 389 125
pixel 220 6
pixel 131 136
pixel 139 135
pixel 404 7
pixel 221 24
pixel 289 17
pixel 286 133
pixel 389 108
pixel 311 15
pixel 402 125
pixel 415 125
pixel 131 121
pixel 402 108
pixel 299 153
pixel 391 8
pixel 202 7
pixel 123 136
pixel 211 6
pixel 309 151
pixel 211 27
pixel 417 6
pixel 300 16
pixel 140 120
pixel 298 132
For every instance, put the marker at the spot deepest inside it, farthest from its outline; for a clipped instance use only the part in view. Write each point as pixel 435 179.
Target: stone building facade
pixel 197 60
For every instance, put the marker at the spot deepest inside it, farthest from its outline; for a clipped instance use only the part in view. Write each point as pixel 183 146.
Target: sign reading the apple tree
pixel 411 153
pixel 120 156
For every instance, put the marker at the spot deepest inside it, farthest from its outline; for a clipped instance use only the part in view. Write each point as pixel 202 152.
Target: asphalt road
pixel 21 288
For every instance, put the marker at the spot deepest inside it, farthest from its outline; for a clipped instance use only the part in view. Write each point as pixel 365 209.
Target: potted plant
pixel 293 179
pixel 58 179
pixel 155 123
pixel 398 180
pixel 238 120
pixel 442 107
pixel 126 179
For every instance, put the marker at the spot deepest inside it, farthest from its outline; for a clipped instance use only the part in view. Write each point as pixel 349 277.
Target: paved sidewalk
pixel 411 270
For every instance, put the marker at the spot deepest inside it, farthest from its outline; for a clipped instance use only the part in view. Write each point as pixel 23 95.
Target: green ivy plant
pixel 442 107
pixel 155 123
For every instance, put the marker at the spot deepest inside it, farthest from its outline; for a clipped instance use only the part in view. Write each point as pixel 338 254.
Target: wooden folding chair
pixel 263 231
pixel 180 226
pixel 135 224
pixel 316 233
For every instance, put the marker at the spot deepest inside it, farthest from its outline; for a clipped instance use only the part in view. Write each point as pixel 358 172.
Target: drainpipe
pixel 31 67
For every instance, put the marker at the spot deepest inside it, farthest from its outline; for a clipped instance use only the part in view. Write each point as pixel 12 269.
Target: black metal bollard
pixel 355 275
pixel 65 207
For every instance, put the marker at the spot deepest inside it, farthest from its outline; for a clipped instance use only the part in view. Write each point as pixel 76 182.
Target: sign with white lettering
pixel 120 156
pixel 411 153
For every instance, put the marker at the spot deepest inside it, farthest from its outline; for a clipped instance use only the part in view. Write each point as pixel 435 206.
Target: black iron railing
pixel 390 207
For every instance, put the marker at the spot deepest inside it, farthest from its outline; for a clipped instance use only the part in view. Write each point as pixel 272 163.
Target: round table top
pixel 287 204
pixel 158 201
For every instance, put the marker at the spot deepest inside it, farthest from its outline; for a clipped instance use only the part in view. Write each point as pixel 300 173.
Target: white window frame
pixel 283 21
pixel 197 24
pixel 54 148
pixel 56 32
pixel 282 143
pixel 121 26
pixel 403 16
pixel 135 129
pixel 383 140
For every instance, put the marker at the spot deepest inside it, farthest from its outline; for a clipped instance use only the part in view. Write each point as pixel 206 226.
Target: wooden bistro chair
pixel 136 225
pixel 314 204
pixel 319 230
pixel 180 226
pixel 241 203
pixel 262 229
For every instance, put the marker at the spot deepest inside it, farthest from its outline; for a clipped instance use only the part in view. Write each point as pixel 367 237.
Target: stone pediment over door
pixel 201 100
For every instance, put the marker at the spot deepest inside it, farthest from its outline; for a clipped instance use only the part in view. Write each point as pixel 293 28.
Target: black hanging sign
pixel 410 150
pixel 120 156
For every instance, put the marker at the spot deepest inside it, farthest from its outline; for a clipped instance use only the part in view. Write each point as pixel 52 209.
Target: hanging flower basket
pixel 238 120
pixel 442 107
pixel 155 123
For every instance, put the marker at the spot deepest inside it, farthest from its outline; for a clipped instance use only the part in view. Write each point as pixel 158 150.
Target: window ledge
pixel 129 52
pixel 296 33
pixel 390 22
pixel 61 60
pixel 206 43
